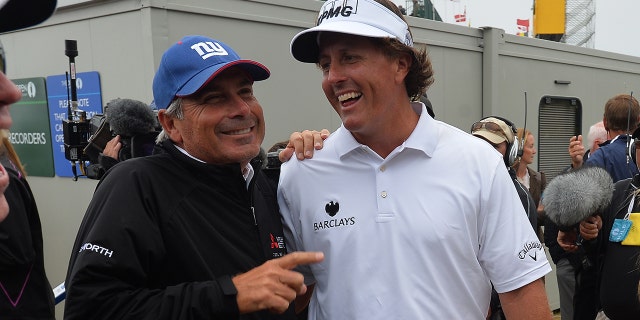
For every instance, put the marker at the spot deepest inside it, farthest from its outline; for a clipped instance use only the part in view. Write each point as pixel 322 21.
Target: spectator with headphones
pixel 621 117
pixel 501 133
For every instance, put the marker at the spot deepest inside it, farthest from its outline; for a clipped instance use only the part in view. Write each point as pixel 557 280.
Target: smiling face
pixel 528 150
pixel 223 121
pixel 364 86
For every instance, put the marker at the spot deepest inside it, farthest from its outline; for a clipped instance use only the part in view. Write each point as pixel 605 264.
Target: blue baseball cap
pixel 192 62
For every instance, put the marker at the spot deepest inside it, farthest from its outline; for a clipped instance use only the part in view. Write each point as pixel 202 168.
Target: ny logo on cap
pixel 209 49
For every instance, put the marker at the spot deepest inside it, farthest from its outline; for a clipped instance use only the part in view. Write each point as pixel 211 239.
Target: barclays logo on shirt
pixel 332 208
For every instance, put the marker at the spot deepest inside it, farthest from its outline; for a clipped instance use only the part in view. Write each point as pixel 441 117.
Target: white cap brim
pixel 365 18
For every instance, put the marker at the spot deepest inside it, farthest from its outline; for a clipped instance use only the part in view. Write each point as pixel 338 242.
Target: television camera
pixel 85 139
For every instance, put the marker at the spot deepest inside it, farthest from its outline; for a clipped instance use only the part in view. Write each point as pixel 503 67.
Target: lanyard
pixel 631 203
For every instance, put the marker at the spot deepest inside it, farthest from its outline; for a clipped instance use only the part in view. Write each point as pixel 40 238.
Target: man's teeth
pixel 347 96
pixel 242 131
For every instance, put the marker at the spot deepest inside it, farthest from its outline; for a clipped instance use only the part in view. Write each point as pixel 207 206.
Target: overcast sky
pixel 615 25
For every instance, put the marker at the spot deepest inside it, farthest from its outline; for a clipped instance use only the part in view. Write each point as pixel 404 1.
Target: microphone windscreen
pixel 572 197
pixel 128 117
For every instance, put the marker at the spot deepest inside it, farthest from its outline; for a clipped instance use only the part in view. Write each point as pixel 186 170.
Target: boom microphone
pixel 128 117
pixel 573 197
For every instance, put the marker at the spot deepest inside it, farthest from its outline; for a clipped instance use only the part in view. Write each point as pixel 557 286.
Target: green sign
pixel 30 131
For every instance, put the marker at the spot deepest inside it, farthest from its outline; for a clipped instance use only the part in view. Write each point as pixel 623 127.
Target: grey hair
pixel 175 111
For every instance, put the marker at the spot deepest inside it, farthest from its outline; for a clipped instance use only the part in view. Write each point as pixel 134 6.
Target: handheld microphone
pixel 128 117
pixel 71 51
pixel 573 197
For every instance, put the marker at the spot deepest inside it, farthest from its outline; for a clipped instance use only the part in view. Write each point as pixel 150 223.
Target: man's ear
pixel 169 126
pixel 404 65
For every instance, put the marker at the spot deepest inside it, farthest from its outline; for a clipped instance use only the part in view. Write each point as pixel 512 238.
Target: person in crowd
pixel 402 9
pixel 132 131
pixel 617 246
pixel 571 264
pixel 597 136
pixel 26 292
pixel 534 181
pixel 500 133
pixel 390 189
pixel 192 232
pixel 621 117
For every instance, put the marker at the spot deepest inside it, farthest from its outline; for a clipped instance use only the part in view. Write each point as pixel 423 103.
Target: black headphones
pixel 631 146
pixel 513 148
pixel 631 138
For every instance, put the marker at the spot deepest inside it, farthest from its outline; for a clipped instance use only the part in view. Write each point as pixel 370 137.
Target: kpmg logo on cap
pixel 209 49
pixel 335 11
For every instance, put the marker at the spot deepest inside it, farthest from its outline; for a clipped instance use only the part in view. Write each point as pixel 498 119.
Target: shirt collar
pixel 247 172
pixel 422 138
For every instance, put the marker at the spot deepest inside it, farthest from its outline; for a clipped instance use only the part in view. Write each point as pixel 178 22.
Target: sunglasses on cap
pixel 489 126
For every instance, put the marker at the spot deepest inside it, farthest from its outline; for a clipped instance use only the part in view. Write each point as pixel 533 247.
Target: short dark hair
pixel 420 75
pixel 621 113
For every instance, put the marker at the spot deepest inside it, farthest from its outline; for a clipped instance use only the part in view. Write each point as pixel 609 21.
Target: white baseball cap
pixel 366 18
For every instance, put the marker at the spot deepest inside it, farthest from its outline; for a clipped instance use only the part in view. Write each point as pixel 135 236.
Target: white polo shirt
pixel 418 235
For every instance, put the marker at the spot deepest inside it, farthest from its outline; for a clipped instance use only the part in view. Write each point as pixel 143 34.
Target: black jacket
pixel 528 203
pixel 26 292
pixel 164 233
pixel 619 269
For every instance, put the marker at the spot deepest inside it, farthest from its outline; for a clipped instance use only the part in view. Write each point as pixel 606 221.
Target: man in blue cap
pixel 194 231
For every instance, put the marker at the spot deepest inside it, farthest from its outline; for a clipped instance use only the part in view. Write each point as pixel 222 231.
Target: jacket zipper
pixel 251 202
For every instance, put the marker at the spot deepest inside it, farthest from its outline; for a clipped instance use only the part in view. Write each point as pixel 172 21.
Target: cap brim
pixel 19 14
pixel 256 70
pixel 304 46
pixel 490 136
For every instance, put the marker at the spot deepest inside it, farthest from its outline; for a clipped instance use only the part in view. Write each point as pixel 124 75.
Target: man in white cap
pixel 416 218
pixel 193 232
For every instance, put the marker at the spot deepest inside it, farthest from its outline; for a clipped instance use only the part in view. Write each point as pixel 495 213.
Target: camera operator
pixel 131 126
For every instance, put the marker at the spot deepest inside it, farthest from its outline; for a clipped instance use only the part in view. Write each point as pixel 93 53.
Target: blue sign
pixel 89 100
